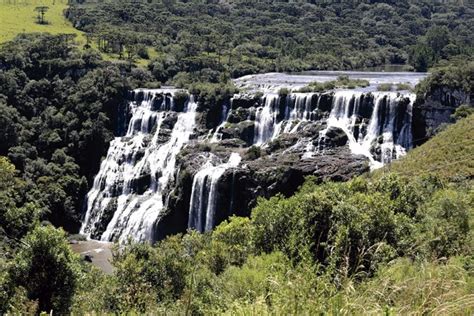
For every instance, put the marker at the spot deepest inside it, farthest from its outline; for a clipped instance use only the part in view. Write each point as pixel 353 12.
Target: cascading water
pixel 281 114
pixel 217 135
pixel 135 160
pixel 202 208
pixel 131 190
pixel 389 125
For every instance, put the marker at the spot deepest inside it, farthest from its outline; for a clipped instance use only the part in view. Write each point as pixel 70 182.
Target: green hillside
pixel 20 17
pixel 448 155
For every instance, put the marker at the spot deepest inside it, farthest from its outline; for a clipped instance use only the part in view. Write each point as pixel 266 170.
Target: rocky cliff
pixel 185 164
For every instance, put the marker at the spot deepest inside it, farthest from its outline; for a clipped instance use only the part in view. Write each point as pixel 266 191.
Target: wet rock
pixel 335 137
pixel 101 226
pixel 243 130
pixel 238 115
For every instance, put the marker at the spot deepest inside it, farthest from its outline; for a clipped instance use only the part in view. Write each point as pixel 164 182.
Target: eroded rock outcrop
pixel 436 108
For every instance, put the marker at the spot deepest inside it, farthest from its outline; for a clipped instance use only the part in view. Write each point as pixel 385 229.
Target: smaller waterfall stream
pixel 226 110
pixel 202 208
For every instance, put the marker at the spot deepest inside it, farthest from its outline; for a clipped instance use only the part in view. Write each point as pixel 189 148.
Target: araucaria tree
pixel 41 12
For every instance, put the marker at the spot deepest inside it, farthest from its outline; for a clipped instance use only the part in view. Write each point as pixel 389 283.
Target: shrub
pixel 284 92
pixel 47 268
pixel 462 111
pixel 403 87
pixel 385 87
pixel 253 153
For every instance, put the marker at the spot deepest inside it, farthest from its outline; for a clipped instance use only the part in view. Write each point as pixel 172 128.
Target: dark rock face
pixel 279 167
pixel 436 109
pixel 106 217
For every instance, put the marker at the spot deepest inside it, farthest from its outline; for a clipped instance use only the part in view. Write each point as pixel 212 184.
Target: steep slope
pixel 448 155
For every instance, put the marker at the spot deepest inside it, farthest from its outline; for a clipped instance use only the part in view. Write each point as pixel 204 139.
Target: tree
pixel 41 12
pixel 421 57
pixel 47 268
pixel 437 38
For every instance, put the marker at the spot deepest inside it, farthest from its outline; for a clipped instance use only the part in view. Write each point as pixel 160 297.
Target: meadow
pixel 20 17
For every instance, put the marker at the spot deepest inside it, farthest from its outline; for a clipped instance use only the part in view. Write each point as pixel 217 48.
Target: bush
pixel 446 227
pixel 47 268
pixel 253 153
pixel 283 92
pixel 403 87
pixel 462 111
pixel 385 87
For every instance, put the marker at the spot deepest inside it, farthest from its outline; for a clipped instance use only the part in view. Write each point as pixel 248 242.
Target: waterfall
pixel 131 191
pixel 138 168
pixel 279 114
pixel 204 196
pixel 226 110
pixel 266 119
pixel 389 125
pixel 377 124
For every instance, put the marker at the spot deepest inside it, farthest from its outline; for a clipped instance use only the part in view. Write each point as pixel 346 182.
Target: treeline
pixel 212 40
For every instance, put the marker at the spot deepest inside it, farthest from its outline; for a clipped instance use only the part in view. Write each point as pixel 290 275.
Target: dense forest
pixel 395 241
pixel 211 40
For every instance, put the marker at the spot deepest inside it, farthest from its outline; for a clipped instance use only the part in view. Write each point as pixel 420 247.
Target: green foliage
pixel 455 76
pixel 59 109
pixel 385 87
pixel 446 223
pixel 215 38
pixel 342 82
pixel 448 155
pixel 16 216
pixel 47 269
pixel 463 111
pixel 421 57
pixel 403 87
pixel 210 93
pixel 392 86
pixel 283 92
pixel 253 153
pixel 355 246
pixel 146 274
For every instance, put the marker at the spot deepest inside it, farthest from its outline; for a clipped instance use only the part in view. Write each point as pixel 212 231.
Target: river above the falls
pixel 272 82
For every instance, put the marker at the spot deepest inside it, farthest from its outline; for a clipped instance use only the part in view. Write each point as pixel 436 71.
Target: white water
pixel 380 128
pixel 345 114
pixel 202 208
pixel 267 124
pixel 134 179
pixel 217 135
pixel 135 214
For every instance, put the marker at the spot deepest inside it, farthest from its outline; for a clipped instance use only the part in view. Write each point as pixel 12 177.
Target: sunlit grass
pixel 18 17
pixel 449 154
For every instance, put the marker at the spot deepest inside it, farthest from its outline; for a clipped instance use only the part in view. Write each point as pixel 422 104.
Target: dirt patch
pixel 97 252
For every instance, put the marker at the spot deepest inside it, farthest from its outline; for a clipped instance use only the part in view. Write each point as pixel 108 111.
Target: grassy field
pixel 448 155
pixel 19 16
